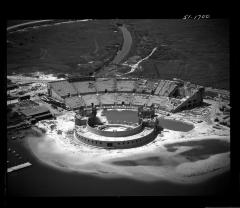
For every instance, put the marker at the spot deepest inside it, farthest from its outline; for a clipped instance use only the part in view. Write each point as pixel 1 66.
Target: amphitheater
pixel 90 96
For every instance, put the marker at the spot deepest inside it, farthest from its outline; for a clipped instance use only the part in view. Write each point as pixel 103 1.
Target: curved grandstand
pixel 88 95
pixel 168 95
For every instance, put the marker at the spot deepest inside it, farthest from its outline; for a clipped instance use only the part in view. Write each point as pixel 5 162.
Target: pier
pixel 18 167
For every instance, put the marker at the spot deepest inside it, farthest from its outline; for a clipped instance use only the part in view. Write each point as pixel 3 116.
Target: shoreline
pixel 149 164
pixel 81 158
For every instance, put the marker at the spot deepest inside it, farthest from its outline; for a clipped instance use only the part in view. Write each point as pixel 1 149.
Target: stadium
pixel 145 99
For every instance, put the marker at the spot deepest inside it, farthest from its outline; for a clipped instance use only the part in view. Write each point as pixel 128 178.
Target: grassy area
pixel 65 48
pixel 197 51
pixel 194 50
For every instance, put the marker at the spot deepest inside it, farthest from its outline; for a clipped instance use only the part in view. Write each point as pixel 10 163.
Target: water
pixel 41 180
pixel 175 125
pixel 123 116
pixel 44 180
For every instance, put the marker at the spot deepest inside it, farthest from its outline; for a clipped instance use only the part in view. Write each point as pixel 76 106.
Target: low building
pixel 37 113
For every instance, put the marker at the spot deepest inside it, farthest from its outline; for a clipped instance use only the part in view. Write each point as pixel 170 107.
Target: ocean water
pixel 43 180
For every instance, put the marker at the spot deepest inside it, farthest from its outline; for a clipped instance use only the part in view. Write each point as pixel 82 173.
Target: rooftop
pixel 35 110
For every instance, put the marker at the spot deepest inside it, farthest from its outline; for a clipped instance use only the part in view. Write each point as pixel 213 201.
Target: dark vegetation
pixel 61 49
pixel 197 51
pixel 194 50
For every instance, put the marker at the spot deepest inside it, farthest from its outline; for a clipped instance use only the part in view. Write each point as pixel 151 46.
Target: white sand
pixel 67 153
pixel 42 76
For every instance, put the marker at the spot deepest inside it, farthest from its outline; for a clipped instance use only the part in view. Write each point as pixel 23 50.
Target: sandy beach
pixel 152 162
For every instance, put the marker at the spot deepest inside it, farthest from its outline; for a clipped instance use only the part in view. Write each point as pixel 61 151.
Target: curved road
pixel 39 21
pixel 126 45
pixel 26 23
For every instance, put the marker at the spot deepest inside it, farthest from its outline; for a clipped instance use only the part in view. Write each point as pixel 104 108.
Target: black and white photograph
pixel 118 107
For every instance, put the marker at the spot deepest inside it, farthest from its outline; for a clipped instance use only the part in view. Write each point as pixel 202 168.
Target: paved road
pixel 126 45
pixel 26 23
pixel 39 21
pixel 135 66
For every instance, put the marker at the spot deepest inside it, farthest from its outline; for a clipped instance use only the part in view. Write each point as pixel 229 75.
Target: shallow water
pixel 148 161
pixel 41 180
pixel 67 177
pixel 200 150
pixel 175 125
pixel 124 116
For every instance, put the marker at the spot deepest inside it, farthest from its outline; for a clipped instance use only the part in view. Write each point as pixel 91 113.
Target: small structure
pixel 194 99
pixel 88 112
pixel 38 113
pixel 84 114
pixel 146 112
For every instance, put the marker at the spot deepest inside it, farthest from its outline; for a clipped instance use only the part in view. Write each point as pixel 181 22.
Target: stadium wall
pixel 117 133
pixel 193 101
pixel 116 144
